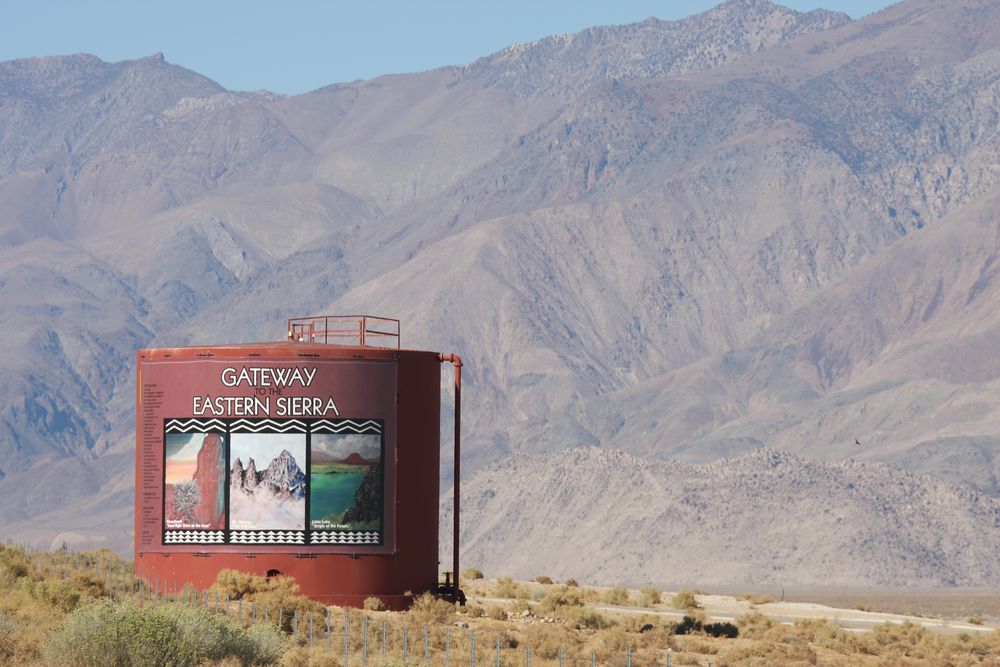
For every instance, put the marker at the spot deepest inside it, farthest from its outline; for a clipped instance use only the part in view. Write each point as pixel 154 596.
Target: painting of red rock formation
pixel 195 478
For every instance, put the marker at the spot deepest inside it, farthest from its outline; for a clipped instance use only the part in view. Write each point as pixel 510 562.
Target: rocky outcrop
pixel 282 477
pixel 209 476
pixel 367 499
pixel 251 477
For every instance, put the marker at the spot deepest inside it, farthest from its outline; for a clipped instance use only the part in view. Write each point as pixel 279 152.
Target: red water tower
pixel 316 457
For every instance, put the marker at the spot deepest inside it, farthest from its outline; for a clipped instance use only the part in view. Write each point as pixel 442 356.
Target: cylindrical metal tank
pixel 316 457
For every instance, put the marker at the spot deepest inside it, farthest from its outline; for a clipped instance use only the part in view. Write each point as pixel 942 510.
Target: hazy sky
pixel 265 447
pixel 294 46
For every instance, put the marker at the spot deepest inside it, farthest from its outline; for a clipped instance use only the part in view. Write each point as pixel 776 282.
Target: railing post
pixel 347 638
pixel 364 643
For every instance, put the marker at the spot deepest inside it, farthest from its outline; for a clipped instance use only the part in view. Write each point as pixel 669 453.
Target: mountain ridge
pixel 685 256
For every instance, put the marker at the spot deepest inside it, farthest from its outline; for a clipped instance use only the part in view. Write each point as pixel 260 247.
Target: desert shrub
pixel 769 652
pixel 543 580
pixel 649 597
pixel 755 625
pixel 635 623
pixel 496 612
pixel 614 640
pixel 474 611
pixel 546 640
pixel 506 588
pixel 301 656
pixel 572 583
pixel 120 634
pixel 753 598
pixel 89 584
pixel 724 629
pixel 429 610
pixel 615 596
pixel 585 617
pixel 974 620
pixel 820 632
pixel 688 626
pixel 472 573
pixel 62 595
pixel 238 585
pixel 274 594
pixel 685 600
pixel 558 598
pixel 15 562
pixel 8 629
pixel 374 604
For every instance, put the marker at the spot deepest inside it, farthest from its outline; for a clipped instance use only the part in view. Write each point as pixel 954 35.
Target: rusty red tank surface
pixel 315 457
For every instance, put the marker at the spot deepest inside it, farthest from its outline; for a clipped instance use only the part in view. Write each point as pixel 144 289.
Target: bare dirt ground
pixel 941 611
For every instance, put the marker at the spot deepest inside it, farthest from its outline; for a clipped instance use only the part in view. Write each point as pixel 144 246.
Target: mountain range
pixel 752 230
pixel 282 477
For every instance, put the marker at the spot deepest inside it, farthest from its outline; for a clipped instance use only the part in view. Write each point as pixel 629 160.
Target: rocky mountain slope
pixel 686 240
pixel 764 518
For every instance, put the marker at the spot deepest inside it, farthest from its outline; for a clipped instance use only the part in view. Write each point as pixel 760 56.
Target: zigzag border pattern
pixel 346 425
pixel 194 425
pixel 269 426
pixel 267 536
pixel 194 537
pixel 346 537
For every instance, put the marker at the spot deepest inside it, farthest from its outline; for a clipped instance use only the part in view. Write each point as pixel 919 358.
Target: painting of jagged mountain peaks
pixel 345 479
pixel 267 486
pixel 194 481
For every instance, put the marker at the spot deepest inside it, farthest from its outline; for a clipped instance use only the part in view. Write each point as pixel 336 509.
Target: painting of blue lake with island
pixel 345 482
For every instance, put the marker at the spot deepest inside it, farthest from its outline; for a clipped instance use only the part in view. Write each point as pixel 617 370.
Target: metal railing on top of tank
pixel 354 330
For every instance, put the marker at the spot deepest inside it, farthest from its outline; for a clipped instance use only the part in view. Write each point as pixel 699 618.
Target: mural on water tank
pixel 287 481
pixel 194 481
pixel 345 482
pixel 267 486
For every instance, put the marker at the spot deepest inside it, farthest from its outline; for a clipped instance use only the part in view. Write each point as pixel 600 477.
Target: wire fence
pixel 341 637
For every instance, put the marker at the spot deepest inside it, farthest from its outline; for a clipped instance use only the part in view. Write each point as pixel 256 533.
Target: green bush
pixel 120 634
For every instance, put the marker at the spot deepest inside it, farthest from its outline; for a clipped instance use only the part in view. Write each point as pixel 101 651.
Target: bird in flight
pixel 856 442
